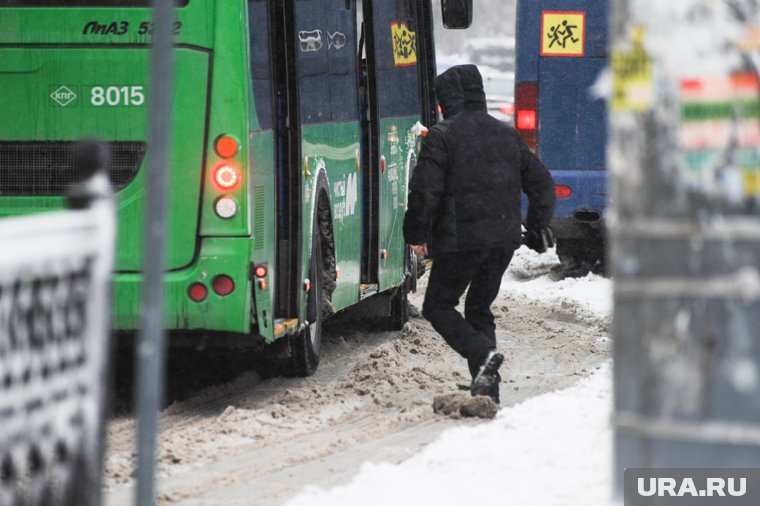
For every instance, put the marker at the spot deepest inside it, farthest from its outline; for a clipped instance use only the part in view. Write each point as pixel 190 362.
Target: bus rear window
pixel 82 3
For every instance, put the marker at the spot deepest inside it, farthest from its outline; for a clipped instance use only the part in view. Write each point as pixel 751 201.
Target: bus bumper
pixel 581 215
pixel 230 313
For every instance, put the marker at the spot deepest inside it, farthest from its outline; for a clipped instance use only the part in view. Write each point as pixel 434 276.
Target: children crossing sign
pixel 563 33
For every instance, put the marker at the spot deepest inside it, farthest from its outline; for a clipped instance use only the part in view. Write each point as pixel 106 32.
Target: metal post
pixel 151 342
pixel 685 234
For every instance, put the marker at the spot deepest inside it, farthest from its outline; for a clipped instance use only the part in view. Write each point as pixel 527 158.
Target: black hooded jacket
pixel 465 190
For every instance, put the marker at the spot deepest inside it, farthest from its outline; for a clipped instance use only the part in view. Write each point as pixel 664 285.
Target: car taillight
pixel 226 177
pixel 526 113
pixel 507 109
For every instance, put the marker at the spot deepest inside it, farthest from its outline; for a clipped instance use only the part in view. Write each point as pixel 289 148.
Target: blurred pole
pixel 150 359
pixel 684 159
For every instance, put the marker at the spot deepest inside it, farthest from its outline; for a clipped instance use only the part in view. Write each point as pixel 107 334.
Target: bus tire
pixel 399 311
pixel 306 345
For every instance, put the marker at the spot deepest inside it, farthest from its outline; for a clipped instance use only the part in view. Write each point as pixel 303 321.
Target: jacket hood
pixel 448 90
pixel 472 87
pixel 459 88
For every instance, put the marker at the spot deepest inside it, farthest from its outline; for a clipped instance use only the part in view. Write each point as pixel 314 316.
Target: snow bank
pixel 530 275
pixel 554 449
pixel 551 450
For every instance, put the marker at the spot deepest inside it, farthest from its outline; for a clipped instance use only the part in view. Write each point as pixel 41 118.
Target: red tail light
pixel 226 146
pixel 198 292
pixel 226 177
pixel 223 284
pixel 526 120
pixel 507 109
pixel 526 108
pixel 562 191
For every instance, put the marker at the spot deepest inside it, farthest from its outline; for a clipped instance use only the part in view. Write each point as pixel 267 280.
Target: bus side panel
pixel 330 133
pixel 399 108
pixel 262 191
pixel 399 159
pixel 261 163
pixel 333 149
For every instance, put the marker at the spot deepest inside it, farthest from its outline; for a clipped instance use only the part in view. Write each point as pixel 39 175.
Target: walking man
pixel 464 211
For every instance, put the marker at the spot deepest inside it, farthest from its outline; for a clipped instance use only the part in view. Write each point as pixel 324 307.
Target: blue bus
pixel 561 50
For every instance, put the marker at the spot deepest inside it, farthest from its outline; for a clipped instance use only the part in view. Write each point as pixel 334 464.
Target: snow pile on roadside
pixel 553 450
pixel 530 275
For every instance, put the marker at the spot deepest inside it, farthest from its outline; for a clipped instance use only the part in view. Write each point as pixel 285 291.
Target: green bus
pixel 294 128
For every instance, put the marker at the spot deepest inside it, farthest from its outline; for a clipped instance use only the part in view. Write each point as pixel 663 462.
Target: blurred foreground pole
pixel 150 350
pixel 685 233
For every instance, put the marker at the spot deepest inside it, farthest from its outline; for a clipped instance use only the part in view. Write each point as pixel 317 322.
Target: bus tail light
pixel 197 292
pixel 562 191
pixel 526 120
pixel 526 113
pixel 226 177
pixel 226 146
pixel 223 285
pixel 260 271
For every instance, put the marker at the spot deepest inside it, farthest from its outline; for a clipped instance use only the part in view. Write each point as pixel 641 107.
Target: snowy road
pixel 254 442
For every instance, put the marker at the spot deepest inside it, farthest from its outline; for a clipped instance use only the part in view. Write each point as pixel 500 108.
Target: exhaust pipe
pixel 587 216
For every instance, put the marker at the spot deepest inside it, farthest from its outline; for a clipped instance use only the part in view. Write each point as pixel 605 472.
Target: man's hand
pixel 421 250
pixel 539 240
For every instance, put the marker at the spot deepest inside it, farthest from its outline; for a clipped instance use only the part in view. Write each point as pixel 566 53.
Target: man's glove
pixel 539 240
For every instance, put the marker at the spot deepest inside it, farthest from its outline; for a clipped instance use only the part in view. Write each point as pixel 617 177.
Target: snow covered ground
pixel 554 449
pixel 591 293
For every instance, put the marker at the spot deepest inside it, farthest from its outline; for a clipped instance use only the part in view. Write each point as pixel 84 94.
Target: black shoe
pixel 494 393
pixel 486 382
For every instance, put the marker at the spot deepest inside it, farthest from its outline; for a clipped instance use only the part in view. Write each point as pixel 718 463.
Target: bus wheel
pixel 307 344
pixel 399 312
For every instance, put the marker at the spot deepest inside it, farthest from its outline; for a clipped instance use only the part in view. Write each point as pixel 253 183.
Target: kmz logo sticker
pixel 63 95
pixel 404 45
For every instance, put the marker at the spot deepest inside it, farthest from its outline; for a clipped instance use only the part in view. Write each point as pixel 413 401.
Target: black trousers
pixel 473 335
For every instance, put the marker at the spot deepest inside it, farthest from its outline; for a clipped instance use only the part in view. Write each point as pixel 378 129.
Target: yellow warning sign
pixel 563 33
pixel 632 81
pixel 404 45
